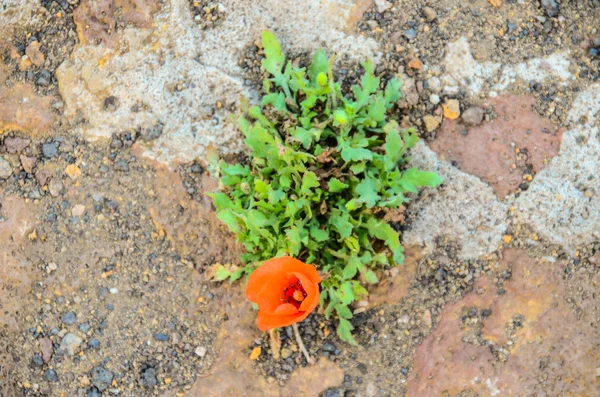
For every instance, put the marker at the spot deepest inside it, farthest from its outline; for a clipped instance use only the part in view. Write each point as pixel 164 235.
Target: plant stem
pixel 301 344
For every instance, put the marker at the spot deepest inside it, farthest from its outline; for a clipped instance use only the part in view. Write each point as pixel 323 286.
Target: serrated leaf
pixel 341 224
pixel 235 169
pixel 335 185
pixel 319 235
pixel 367 191
pixel 277 100
pixel 221 201
pixel 344 331
pixel 371 277
pixel 230 219
pixel 305 136
pixel 356 154
pixel 393 147
pixel 343 312
pixel 393 91
pixel 274 58
pixel 413 178
pixel 256 219
pixel 346 294
pixel 377 109
pixel 309 181
pixel 351 268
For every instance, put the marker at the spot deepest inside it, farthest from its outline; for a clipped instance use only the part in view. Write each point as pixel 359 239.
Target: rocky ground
pixel 109 107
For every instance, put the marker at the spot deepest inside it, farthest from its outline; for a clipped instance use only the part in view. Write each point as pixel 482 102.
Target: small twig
pixel 301 344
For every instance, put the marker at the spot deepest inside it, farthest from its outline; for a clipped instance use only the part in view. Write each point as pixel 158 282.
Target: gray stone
pixel 49 150
pixel 150 378
pixel 101 378
pixel 69 318
pixel 5 169
pixel 70 343
pixel 410 34
pixel 50 375
pixel 473 115
pixel 551 7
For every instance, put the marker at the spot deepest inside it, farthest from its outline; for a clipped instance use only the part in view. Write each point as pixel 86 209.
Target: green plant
pixel 323 169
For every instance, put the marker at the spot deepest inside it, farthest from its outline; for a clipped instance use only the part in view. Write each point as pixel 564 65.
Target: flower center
pixel 294 293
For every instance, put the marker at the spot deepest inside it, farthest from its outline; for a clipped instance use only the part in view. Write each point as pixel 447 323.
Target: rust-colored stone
pixel 554 342
pixel 393 287
pixel 21 109
pixel 34 54
pixel 490 151
pixel 17 220
pixel 96 20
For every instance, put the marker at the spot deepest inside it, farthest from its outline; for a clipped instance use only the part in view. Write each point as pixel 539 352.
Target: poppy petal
pixel 286 309
pixel 267 321
pixel 311 290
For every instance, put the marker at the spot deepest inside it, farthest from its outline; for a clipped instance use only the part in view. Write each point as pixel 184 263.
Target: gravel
pixel 5 169
pixel 101 378
pixel 49 150
pixel 70 343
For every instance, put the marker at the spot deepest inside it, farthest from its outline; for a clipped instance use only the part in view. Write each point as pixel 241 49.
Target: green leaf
pixel 222 274
pixel 351 268
pixel 341 224
pixel 306 137
pixel 319 235
pixel 393 147
pixel 413 178
pixel 309 181
pixel 319 65
pixel 343 312
pixel 346 293
pixel 256 219
pixel 275 99
pixel 235 169
pixel 335 185
pixel 344 331
pixel 356 154
pixel 229 218
pixel 274 58
pixel 367 191
pixel 221 201
pixel 371 277
pixel 377 110
pixel 393 91
pixel 261 186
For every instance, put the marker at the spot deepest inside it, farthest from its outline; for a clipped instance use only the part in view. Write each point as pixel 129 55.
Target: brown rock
pixel 46 349
pixel 28 163
pixel 96 22
pixel 595 260
pixel 21 109
pixel 42 177
pixel 490 150
pixel 96 19
pixel 16 144
pixel 431 123
pixel 529 324
pixel 415 63
pixel 34 53
pixel 473 115
pixel 430 14
pixel 496 3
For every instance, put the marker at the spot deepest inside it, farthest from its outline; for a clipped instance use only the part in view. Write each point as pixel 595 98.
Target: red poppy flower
pixel 285 290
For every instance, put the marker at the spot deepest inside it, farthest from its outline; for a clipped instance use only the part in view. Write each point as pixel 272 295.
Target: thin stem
pixel 301 344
